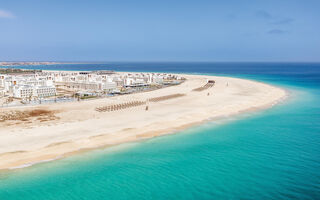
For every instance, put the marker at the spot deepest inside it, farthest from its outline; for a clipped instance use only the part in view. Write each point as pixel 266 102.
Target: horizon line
pixel 159 61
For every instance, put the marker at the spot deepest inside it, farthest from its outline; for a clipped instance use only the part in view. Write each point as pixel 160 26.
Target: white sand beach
pixel 76 126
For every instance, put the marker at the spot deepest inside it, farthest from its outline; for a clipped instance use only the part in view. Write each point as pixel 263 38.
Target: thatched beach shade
pixel 120 106
pixel 162 98
pixel 208 85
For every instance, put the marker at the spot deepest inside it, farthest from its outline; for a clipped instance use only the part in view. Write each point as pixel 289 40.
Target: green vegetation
pixel 19 71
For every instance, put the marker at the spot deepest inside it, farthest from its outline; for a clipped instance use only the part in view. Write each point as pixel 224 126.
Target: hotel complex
pixel 36 85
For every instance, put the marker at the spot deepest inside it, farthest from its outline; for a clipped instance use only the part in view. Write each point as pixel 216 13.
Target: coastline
pixel 259 96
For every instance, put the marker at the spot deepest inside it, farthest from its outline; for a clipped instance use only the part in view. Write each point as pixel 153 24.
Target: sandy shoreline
pixel 79 127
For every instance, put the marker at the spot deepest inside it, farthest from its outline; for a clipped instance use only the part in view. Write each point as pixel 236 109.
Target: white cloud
pixel 6 14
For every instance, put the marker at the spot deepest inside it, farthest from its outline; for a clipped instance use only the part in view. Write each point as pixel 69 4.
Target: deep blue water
pixel 272 154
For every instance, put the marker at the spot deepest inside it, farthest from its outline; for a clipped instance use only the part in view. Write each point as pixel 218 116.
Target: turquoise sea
pixel 270 154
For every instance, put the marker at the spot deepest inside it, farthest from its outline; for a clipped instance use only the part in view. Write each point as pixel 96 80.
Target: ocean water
pixel 271 154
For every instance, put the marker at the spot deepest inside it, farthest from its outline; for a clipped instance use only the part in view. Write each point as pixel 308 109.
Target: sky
pixel 160 30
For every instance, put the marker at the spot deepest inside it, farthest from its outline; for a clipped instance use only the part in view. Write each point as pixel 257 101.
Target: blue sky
pixel 166 30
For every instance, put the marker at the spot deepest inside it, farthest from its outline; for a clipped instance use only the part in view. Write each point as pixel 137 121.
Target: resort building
pixel 44 91
pixel 109 85
pixel 43 84
pixel 23 91
pixel 27 91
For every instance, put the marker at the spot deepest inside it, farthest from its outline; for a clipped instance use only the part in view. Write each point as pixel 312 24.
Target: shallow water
pixel 271 154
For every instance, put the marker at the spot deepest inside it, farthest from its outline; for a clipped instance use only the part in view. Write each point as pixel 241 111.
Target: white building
pixel 27 91
pixel 43 84
pixel 129 81
pixel 109 85
pixel 2 80
pixel 44 91
pixel 23 91
pixel 157 79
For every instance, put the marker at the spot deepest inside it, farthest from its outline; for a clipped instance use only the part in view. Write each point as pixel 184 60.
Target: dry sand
pixel 77 126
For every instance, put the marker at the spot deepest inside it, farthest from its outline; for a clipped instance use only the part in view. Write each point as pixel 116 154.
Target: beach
pixel 73 127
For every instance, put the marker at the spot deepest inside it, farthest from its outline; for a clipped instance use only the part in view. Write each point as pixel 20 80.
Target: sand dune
pixel 77 126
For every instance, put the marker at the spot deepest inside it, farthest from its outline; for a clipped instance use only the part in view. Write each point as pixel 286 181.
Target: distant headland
pixel 21 63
